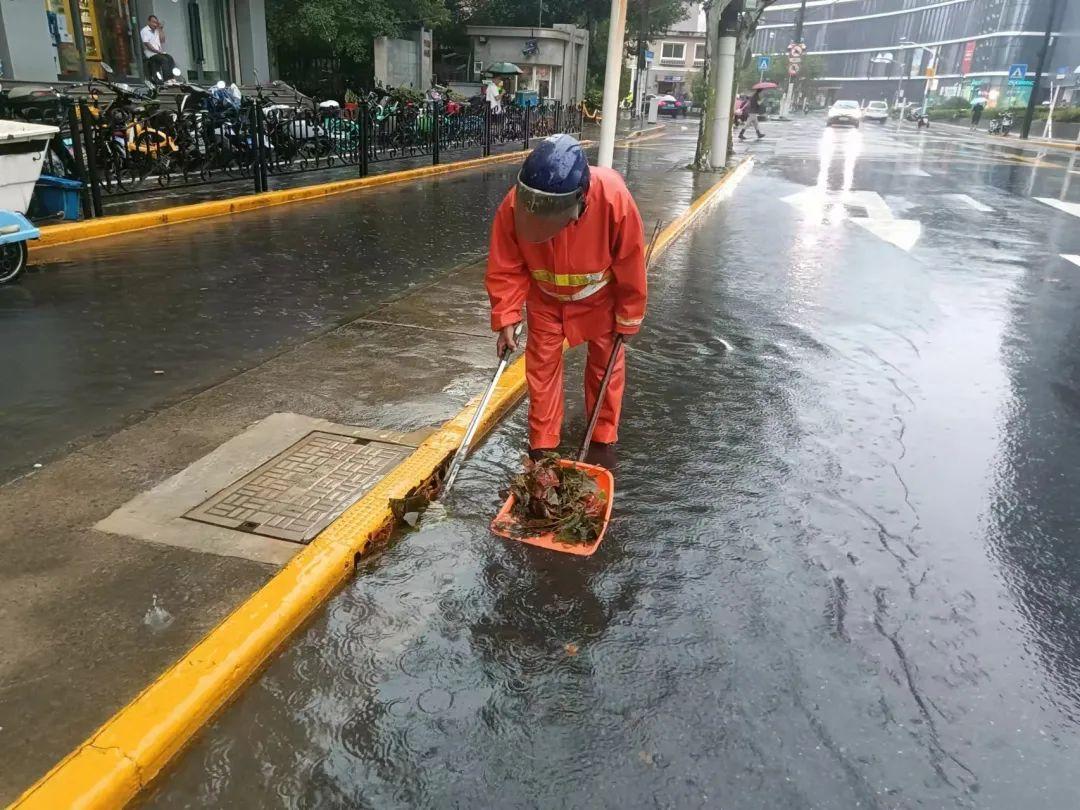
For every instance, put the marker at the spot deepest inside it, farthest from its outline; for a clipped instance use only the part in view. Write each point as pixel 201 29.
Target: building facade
pixel 554 61
pixel 73 40
pixel 882 49
pixel 675 58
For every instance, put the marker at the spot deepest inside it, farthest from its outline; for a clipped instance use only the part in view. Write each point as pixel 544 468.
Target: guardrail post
pixel 435 133
pixel 364 120
pixel 253 127
pixel 487 129
pixel 264 139
pixel 525 128
pixel 80 162
pixel 91 158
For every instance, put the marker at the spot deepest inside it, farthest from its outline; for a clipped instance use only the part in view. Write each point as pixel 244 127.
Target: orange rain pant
pixel 544 373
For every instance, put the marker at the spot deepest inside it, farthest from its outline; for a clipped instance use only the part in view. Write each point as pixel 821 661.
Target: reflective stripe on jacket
pixel 570 286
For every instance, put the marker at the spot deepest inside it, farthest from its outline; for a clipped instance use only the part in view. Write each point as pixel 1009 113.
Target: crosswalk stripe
pixel 970 201
pixel 1071 257
pixel 1061 205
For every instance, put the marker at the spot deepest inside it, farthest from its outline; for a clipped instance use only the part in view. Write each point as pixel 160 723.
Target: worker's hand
pixel 507 339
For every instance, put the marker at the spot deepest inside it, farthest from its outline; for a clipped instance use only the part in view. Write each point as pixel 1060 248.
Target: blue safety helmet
pixel 551 188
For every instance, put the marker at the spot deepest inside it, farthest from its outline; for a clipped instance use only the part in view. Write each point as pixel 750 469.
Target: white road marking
pixel 915 173
pixel 879 220
pixel 964 198
pixel 1061 205
pixel 1071 257
pixel 903 233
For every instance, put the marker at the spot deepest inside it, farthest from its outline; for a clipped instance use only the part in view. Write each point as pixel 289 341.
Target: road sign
pixel 1017 72
pixel 649 56
pixel 796 49
pixel 1062 72
pixel 763 63
pixel 793 69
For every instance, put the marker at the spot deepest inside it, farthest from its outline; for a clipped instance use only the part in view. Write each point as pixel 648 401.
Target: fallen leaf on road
pixel 571 649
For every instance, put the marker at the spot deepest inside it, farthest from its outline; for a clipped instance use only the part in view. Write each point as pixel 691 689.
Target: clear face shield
pixel 539 215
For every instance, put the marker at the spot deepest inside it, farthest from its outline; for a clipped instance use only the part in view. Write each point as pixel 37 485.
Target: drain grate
pixel 296 494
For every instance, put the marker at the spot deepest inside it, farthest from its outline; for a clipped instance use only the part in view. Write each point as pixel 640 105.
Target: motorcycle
pixel 382 105
pixel 43 104
pixel 135 133
pixel 918 116
pixel 1001 124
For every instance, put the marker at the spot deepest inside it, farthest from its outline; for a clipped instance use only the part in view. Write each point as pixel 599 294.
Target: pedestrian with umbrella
pixel 753 109
pixel 977 105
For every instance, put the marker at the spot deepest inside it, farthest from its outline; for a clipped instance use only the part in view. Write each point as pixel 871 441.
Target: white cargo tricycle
pixel 22 152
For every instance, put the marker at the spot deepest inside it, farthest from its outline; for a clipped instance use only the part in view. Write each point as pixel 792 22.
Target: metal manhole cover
pixel 296 494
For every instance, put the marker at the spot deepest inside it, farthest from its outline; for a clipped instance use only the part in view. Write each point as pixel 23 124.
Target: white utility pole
pixel 609 113
pixel 723 81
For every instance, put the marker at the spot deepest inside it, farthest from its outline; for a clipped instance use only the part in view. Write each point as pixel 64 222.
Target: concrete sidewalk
pixel 89 618
pixel 1013 139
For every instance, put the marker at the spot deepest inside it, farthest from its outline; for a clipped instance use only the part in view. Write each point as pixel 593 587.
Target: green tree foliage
pixel 346 28
pixel 589 14
pixel 699 89
pixel 811 69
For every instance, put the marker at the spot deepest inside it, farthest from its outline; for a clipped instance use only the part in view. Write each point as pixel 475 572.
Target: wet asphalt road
pixel 107 331
pixel 842 571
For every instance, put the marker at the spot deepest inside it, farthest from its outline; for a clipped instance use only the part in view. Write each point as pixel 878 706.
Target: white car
pixel 844 112
pixel 876 111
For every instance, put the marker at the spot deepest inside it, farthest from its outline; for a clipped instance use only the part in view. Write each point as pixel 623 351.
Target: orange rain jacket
pixel 591 275
pixel 582 285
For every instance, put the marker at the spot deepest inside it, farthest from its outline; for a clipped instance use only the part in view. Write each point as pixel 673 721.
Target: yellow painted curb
pixel 651 132
pixel 65 234
pixel 127 223
pixel 123 756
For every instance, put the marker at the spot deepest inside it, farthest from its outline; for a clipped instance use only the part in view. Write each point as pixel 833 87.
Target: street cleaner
pixel 568 245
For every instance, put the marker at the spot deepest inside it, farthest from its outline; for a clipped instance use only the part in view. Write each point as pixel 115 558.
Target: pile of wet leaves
pixel 562 500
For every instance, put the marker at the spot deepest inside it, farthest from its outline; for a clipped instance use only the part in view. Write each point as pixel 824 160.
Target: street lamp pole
pixel 907 43
pixel 1025 130
pixel 899 92
pixel 609 114
pixel 643 26
pixel 796 39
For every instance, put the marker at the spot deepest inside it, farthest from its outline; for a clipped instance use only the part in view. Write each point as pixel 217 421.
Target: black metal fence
pixel 122 150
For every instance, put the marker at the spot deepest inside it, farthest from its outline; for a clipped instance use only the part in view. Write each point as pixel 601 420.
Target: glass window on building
pixel 673 52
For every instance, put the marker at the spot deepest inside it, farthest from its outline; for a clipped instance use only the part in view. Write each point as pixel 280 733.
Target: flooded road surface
pixel 842 571
pixel 104 332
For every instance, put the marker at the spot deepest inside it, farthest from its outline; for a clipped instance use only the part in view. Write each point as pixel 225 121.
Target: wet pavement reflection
pixel 109 330
pixel 841 572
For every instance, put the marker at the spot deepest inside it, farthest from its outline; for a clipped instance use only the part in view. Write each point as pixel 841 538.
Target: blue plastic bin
pixel 55 198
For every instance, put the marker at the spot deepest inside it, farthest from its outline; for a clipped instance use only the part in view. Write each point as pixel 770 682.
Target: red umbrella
pixel 765 86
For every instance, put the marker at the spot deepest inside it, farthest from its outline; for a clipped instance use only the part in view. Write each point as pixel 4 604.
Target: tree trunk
pixel 720 16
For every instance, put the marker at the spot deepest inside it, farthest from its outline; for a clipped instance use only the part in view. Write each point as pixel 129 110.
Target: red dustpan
pixel 506 525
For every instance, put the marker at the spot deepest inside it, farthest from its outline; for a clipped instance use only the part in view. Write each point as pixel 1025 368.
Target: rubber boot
pixel 601 454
